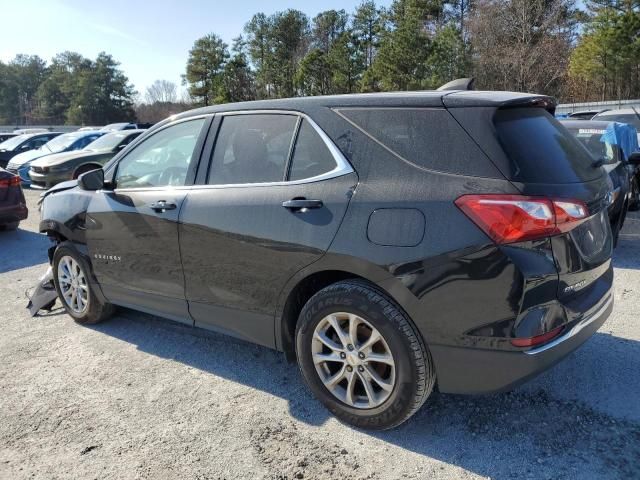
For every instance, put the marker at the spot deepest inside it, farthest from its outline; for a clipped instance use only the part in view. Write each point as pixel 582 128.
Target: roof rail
pixel 459 84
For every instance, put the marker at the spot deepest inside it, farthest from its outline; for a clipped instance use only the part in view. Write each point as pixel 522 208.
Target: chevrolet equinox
pixel 391 243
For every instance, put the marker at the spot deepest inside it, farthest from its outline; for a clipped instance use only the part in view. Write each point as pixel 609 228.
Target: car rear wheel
pixel 71 279
pixel 362 357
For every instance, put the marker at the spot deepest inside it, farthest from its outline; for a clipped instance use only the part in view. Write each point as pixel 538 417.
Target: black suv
pixel 389 242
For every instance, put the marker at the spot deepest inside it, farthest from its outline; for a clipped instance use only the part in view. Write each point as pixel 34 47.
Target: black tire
pixel 414 372
pixel 96 311
pixel 10 226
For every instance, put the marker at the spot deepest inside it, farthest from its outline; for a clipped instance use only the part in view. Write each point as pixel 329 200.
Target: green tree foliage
pixel 327 27
pixel 289 40
pixel 238 79
pixel 404 47
pixel 70 89
pixel 205 69
pixel 606 62
pixel 56 93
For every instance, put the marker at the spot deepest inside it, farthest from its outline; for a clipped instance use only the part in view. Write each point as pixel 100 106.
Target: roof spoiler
pixel 459 84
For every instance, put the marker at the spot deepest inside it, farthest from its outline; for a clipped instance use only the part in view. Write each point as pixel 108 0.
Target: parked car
pixel 13 207
pixel 53 169
pixel 606 150
pixel 113 127
pixel 22 131
pixel 86 129
pixel 23 143
pixel 67 142
pixel 6 136
pixel 623 115
pixel 584 114
pixel 385 241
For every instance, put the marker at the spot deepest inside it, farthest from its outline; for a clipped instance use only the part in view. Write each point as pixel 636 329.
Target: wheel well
pixel 94 166
pixel 55 237
pixel 298 297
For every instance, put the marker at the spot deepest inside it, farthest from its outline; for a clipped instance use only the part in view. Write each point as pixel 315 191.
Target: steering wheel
pixel 174 176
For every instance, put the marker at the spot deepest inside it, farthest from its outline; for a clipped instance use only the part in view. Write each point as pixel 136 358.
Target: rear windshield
pixel 540 149
pixel 629 118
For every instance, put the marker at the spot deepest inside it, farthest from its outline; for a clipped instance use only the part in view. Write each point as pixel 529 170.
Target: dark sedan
pixel 13 207
pixel 604 142
pixel 48 171
pixel 23 143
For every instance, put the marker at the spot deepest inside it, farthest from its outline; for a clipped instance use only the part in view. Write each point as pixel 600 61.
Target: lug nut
pixel 349 368
pixel 361 355
pixel 361 368
pixel 343 355
pixel 350 347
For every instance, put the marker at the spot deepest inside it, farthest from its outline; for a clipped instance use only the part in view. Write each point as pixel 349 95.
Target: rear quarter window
pixel 429 138
pixel 540 149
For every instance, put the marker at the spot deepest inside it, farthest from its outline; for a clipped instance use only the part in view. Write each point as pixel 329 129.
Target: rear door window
pixel 311 157
pixel 252 149
pixel 540 149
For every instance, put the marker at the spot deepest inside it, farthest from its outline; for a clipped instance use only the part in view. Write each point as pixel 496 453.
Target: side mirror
pixel 92 180
pixel 634 159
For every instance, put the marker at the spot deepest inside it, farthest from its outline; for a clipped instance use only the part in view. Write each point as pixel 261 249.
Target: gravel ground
pixel 141 397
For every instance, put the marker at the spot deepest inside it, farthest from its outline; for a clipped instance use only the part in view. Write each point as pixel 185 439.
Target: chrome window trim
pixel 343 167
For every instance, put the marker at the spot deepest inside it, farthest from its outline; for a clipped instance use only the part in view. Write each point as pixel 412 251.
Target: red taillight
pixel 515 218
pixel 537 340
pixel 9 182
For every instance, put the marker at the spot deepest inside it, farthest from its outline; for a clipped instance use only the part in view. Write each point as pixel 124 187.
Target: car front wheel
pixel 362 357
pixel 71 279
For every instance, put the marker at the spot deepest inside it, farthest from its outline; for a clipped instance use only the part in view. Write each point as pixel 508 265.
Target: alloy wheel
pixel 353 360
pixel 73 284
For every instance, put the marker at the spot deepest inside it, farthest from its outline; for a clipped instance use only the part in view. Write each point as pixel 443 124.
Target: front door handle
pixel 301 204
pixel 162 206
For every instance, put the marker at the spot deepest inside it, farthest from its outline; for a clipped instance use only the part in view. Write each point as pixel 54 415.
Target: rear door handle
pixel 301 204
pixel 162 206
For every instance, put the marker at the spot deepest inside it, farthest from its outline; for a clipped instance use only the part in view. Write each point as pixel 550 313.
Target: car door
pixel 270 203
pixel 132 232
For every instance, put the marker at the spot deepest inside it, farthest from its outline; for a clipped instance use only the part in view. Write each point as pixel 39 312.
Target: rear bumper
pixel 13 213
pixel 478 371
pixel 23 172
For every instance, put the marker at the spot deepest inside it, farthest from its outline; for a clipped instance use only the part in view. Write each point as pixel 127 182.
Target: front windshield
pixel 62 142
pixel 108 141
pixel 593 140
pixel 13 142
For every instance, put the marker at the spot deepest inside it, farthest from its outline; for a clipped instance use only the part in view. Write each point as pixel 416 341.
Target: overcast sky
pixel 151 39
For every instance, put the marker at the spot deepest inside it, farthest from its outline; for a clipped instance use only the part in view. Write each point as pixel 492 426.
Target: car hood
pixel 29 156
pixel 59 188
pixel 57 158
